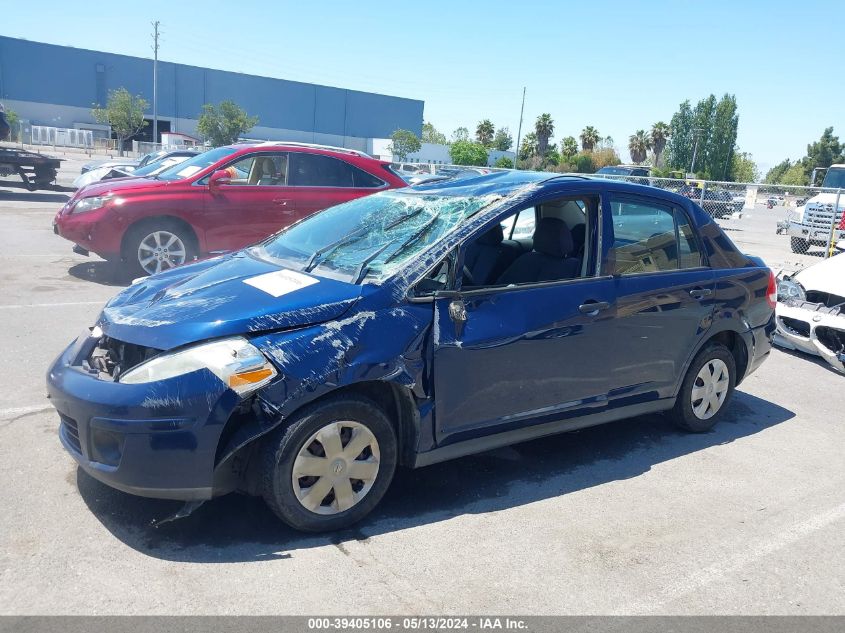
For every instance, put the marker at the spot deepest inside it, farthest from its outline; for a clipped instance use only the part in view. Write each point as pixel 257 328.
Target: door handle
pixel 282 202
pixel 592 308
pixel 700 293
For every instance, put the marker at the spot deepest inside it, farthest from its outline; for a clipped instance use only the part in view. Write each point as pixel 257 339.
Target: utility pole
pixel 697 131
pixel 155 81
pixel 519 131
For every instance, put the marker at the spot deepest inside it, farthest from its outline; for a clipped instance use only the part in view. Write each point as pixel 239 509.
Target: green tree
pixel 583 162
pixel 823 153
pixel 722 141
pixel 460 134
pixel 568 148
pixel 484 132
pixel 430 134
pixel 795 175
pixel 590 137
pixel 659 135
pixel 503 140
pixel 774 175
pixel 224 124
pixel 708 131
pixel 13 120
pixel 544 128
pixel 468 153
pixel 124 113
pixel 402 143
pixel 503 161
pixel 528 148
pixel 743 168
pixel 681 138
pixel 638 145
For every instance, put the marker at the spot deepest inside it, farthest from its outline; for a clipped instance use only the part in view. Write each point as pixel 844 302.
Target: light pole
pixel 519 131
pixel 155 82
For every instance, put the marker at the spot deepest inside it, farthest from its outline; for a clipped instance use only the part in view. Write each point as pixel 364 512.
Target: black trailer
pixel 36 170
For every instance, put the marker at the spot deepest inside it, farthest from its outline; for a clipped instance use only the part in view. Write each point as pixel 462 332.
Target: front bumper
pixel 154 440
pixel 812 328
pixel 91 231
pixel 813 234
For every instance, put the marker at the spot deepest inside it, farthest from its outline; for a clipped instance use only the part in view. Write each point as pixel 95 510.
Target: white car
pixel 811 311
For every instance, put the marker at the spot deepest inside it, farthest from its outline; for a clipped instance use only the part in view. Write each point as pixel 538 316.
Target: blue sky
pixel 619 66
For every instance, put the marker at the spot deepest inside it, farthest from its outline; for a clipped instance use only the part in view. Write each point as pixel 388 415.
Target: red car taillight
pixel 842 222
pixel 772 291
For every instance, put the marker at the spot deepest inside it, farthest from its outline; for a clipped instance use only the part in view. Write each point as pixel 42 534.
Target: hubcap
pixel 159 251
pixel 710 389
pixel 336 467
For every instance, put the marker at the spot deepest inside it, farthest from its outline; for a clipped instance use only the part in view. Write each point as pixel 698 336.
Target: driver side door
pixel 511 356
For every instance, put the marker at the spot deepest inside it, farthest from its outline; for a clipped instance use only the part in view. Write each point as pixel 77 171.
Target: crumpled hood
pixel 826 276
pixel 225 296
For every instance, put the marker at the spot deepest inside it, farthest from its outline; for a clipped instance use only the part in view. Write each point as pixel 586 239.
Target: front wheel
pixel 330 466
pixel 799 245
pixel 706 390
pixel 154 247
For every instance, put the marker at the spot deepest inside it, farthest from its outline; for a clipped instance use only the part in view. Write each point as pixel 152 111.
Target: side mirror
pixel 218 178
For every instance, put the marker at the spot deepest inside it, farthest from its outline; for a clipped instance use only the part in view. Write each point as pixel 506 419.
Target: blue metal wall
pixel 45 73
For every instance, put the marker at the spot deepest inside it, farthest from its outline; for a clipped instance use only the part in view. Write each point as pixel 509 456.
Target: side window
pixel 651 238
pixel 520 226
pixel 364 180
pixel 688 251
pixel 316 170
pixel 259 169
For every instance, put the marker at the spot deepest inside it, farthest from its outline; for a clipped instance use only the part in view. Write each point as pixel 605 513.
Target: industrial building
pixel 56 86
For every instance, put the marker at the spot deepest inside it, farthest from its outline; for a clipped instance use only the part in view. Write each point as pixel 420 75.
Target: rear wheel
pixel 331 466
pixel 154 247
pixel 799 245
pixel 706 390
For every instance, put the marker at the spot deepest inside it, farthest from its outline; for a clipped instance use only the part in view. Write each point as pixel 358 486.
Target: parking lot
pixel 628 518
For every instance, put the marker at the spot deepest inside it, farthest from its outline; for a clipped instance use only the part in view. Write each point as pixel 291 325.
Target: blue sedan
pixel 407 328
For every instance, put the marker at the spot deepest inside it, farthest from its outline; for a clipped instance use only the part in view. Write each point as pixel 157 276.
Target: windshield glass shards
pixel 372 236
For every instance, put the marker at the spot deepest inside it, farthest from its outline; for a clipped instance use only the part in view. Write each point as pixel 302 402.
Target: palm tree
pixel 544 128
pixel 659 135
pixel 589 138
pixel 484 132
pixel 569 146
pixel 638 145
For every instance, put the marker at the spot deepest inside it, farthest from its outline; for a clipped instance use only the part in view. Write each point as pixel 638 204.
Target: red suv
pixel 221 200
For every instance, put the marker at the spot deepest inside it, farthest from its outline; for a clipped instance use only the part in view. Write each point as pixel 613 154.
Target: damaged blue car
pixel 407 328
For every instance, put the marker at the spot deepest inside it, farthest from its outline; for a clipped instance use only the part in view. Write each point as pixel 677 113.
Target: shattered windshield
pixel 372 236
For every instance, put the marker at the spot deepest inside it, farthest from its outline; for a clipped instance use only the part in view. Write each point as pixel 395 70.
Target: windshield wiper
pixel 364 266
pixel 321 253
pixel 317 255
pixel 413 238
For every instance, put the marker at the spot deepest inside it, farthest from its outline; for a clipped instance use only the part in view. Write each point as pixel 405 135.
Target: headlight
pixel 92 204
pixel 788 289
pixel 240 365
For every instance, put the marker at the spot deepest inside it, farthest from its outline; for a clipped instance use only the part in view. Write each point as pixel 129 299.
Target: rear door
pixel 319 181
pixel 255 204
pixel 664 295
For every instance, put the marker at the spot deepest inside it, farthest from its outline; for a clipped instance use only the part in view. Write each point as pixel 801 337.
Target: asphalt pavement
pixel 633 517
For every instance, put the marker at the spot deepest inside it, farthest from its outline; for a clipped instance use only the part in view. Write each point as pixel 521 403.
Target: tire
pixel 296 449
pixel 157 235
pixel 799 245
pixel 693 413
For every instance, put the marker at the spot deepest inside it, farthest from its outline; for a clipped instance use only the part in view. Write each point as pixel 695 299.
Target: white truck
pixel 811 223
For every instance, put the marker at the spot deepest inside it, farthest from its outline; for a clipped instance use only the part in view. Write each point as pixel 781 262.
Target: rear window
pixel 316 170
